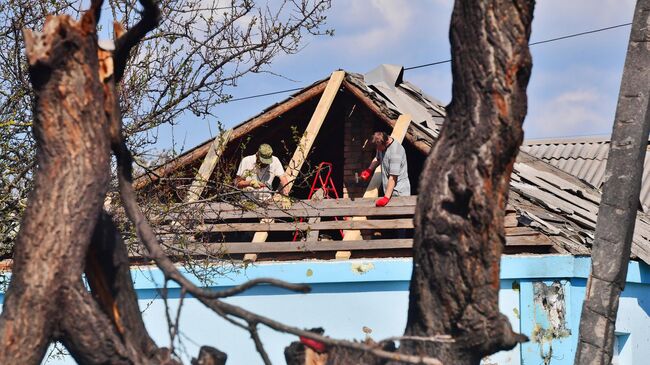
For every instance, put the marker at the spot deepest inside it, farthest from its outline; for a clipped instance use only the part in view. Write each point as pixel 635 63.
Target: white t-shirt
pixel 250 170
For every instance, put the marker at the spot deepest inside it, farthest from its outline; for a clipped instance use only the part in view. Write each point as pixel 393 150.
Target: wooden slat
pixel 207 167
pixel 305 226
pixel 341 246
pixel 310 212
pixel 520 231
pixel 308 138
pixel 528 240
pixel 372 191
pixel 402 201
pixel 510 220
pixel 268 247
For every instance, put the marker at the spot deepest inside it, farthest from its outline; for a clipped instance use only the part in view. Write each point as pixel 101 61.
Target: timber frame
pixel 549 211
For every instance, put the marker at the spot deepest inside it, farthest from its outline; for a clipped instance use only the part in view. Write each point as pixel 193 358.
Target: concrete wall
pixel 541 295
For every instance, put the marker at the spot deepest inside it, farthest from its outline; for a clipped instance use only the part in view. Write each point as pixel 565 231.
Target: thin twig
pixel 252 328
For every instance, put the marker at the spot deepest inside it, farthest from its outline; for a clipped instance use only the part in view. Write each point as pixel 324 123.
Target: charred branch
pixel 459 232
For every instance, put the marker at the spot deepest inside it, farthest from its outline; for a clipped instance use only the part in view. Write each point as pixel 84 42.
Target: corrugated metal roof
pixel 585 158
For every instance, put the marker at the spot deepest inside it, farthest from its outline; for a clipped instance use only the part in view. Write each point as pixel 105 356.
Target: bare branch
pixel 229 309
pixel 124 44
pixel 252 328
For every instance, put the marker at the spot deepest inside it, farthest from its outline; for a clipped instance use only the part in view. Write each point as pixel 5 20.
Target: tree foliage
pixel 183 69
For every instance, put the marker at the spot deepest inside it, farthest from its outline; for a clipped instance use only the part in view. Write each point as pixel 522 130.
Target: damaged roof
pixel 543 198
pixel 584 157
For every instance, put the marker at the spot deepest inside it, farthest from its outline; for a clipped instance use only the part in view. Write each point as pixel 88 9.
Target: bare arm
pixel 284 185
pixel 241 183
pixel 373 164
pixel 392 181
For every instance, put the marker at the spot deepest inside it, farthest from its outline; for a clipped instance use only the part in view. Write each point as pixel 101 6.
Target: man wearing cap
pixel 256 173
pixel 394 168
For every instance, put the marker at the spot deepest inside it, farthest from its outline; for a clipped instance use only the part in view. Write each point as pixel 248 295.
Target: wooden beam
pixel 306 226
pixel 308 138
pixel 343 203
pixel 372 191
pixel 193 248
pixel 315 123
pixel 207 167
pixel 244 128
pixel 308 212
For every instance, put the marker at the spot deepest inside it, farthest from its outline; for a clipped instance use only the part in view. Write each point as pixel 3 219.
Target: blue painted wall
pixel 350 295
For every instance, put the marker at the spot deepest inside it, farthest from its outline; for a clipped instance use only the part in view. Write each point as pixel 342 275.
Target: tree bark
pixel 70 183
pixel 46 300
pixel 620 199
pixel 459 231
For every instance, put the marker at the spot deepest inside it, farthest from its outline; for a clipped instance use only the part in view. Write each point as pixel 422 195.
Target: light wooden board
pixel 341 246
pixel 307 140
pixel 207 167
pixel 315 123
pixel 343 203
pixel 306 226
pixel 311 212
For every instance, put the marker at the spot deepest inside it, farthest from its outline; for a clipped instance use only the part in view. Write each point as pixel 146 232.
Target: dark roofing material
pixel 584 157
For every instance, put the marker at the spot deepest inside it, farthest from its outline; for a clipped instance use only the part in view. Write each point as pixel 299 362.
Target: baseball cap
pixel 265 154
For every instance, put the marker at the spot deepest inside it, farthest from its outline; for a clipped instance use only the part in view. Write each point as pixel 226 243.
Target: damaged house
pixel 334 238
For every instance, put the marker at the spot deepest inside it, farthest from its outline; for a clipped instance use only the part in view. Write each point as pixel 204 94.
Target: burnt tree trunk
pixel 459 231
pixel 64 231
pixel 620 200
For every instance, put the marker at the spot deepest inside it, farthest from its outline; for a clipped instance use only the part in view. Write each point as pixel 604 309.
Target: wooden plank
pixel 258 237
pixel 192 155
pixel 341 246
pixel 306 226
pixel 313 232
pixel 520 231
pixel 533 240
pixel 510 220
pixel 207 167
pixel 310 212
pixel 310 246
pixel 372 191
pixel 406 201
pixel 315 123
pixel 308 137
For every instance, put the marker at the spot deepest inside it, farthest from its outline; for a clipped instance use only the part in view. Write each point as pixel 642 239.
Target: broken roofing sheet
pixel 564 208
pixel 584 157
pixel 384 85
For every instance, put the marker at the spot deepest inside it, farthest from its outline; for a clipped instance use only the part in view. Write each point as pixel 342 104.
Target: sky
pixel 572 91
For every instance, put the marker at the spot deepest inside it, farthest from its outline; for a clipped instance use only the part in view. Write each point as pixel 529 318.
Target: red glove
pixel 381 202
pixel 313 344
pixel 366 174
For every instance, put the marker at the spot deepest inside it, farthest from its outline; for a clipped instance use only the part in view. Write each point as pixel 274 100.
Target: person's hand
pixel 366 174
pixel 381 202
pixel 256 184
pixel 283 201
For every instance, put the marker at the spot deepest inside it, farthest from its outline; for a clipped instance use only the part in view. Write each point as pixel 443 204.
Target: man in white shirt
pixel 256 173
